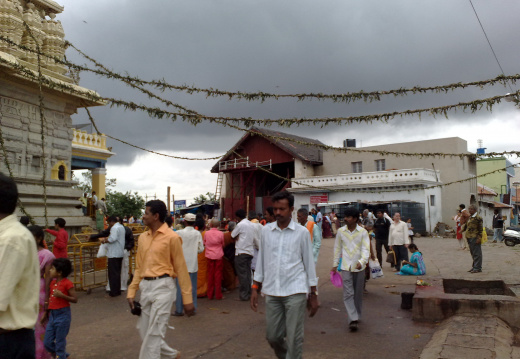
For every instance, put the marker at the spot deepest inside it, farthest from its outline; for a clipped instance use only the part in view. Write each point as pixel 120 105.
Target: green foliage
pixel 204 198
pixel 85 184
pixel 125 204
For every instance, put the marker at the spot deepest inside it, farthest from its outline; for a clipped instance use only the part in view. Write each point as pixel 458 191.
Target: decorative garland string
pixel 195 119
pixel 262 96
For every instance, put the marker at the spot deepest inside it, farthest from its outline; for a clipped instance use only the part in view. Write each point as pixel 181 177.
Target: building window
pixel 432 200
pixel 380 165
pixel 357 167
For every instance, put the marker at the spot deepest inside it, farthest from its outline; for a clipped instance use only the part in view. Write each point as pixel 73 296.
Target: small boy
pixel 59 248
pixel 61 293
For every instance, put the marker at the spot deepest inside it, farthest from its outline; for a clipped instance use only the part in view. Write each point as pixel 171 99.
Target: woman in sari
pixel 45 257
pixel 416 264
pixel 327 227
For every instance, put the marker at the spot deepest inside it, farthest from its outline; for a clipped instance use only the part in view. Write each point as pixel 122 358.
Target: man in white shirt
pixel 399 240
pixel 353 247
pixel 314 231
pixel 19 278
pixel 244 235
pixel 115 254
pixel 253 218
pixel 192 245
pixel 284 272
pixel 319 219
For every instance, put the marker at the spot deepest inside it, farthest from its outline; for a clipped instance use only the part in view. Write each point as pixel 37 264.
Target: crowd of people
pixel 180 259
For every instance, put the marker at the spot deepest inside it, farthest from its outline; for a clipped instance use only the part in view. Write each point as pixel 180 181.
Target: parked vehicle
pixel 512 236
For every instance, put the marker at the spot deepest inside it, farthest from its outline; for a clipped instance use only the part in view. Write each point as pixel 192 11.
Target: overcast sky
pixel 289 47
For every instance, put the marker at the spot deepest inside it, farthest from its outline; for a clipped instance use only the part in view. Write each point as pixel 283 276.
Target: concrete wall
pixel 451 168
pixel 496 180
pixel 302 169
pixel 432 214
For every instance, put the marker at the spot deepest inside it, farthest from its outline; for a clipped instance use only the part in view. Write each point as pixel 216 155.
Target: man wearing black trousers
pixel 115 254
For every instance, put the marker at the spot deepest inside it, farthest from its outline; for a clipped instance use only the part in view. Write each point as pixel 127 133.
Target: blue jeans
pixel 55 340
pixel 179 307
pixel 497 234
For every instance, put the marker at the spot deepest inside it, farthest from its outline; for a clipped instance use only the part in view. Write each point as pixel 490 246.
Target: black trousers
pixel 18 344
pixel 379 250
pixel 114 275
pixel 243 269
pixel 401 253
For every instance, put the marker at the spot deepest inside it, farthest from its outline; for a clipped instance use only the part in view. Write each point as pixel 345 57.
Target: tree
pixel 204 198
pixel 85 184
pixel 124 204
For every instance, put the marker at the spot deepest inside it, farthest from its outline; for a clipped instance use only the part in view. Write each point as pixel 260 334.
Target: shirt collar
pixel 358 228
pixel 10 219
pixel 474 214
pixel 291 226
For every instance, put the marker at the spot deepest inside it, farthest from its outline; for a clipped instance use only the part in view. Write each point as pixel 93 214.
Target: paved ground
pixel 102 327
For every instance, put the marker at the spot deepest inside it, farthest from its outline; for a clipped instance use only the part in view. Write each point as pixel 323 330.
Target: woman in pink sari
pixel 46 257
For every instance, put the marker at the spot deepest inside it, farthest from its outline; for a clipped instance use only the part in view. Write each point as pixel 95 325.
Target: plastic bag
pixel 484 236
pixel 390 258
pixel 336 279
pixel 102 252
pixel 375 269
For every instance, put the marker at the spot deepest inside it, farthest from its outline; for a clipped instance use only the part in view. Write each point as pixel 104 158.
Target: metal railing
pixel 238 163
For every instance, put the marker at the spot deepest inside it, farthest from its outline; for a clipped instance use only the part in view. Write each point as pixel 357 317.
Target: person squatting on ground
pixel 352 245
pixel 399 240
pixel 159 259
pixel 285 270
pixel 214 243
pixel 19 278
pixel 192 245
pixel 62 293
pixel 473 231
pixel 303 215
pixel 416 265
pixel 244 235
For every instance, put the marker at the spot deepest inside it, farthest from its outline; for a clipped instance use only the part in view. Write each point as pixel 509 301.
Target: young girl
pixel 416 265
pixel 45 257
pixel 410 229
pixel 62 293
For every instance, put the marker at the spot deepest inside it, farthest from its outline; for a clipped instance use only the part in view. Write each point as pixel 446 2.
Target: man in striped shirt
pixel 285 270
pixel 353 247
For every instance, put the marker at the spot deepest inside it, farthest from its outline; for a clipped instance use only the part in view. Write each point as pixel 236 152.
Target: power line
pixel 489 42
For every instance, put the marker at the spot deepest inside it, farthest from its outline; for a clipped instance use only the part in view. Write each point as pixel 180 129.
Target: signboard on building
pixel 320 198
pixel 179 204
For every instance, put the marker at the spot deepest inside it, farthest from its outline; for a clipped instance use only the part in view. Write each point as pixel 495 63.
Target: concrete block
pixel 456 352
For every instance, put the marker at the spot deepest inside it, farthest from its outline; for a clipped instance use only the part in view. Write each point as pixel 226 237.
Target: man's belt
pixel 5 331
pixel 154 278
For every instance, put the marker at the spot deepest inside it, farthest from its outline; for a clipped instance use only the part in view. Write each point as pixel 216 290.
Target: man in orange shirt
pixel 159 260
pixel 302 215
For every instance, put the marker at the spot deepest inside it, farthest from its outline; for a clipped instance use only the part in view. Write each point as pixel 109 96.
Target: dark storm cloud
pixel 290 47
